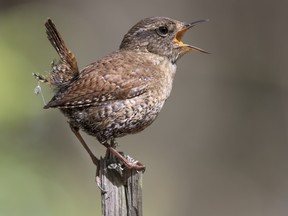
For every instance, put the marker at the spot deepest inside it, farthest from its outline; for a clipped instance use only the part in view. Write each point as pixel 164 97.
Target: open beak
pixel 179 34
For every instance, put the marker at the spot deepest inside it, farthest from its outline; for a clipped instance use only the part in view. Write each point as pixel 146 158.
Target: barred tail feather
pixel 67 69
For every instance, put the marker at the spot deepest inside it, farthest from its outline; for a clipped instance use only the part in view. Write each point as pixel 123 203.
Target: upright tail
pixel 66 69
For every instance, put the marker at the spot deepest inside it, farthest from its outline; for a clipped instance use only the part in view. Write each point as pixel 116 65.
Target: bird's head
pixel 161 36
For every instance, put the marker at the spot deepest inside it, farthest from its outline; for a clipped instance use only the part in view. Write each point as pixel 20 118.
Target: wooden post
pixel 123 189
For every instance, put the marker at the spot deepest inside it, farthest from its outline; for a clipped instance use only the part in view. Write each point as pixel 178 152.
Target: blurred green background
pixel 219 147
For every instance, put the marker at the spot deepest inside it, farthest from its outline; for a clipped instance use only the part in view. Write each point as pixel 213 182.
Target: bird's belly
pixel 116 118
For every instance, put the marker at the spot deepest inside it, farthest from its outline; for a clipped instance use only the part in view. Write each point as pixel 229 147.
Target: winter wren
pixel 123 92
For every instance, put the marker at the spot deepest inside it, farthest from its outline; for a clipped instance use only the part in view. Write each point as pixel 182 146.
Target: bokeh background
pixel 219 147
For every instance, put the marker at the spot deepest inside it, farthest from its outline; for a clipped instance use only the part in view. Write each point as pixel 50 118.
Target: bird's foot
pixel 131 163
pixel 126 160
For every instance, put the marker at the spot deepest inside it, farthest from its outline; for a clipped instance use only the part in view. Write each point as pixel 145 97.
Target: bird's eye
pixel 162 31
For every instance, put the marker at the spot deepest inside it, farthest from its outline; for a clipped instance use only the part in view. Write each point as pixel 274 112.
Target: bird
pixel 123 92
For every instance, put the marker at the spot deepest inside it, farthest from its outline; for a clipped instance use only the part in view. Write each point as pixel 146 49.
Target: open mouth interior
pixel 178 39
pixel 178 36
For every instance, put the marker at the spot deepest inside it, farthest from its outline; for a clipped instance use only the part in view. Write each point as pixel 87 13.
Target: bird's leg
pixel 130 165
pixel 75 130
pixel 95 160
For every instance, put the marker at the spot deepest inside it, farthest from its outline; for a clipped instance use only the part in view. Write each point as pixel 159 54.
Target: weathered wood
pixel 123 196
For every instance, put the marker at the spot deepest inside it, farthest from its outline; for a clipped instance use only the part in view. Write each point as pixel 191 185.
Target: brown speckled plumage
pixel 123 92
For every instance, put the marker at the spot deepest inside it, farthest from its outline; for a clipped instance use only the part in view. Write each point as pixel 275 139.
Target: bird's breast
pixel 164 75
